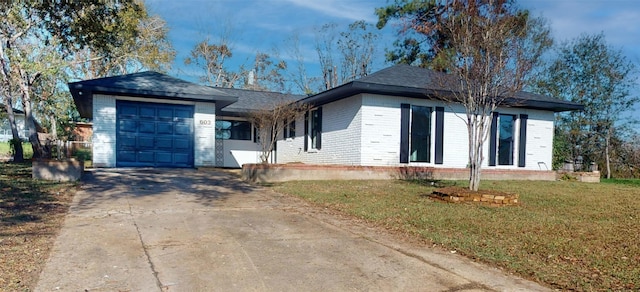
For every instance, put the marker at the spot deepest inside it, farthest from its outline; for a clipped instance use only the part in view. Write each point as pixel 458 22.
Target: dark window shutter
pixel 522 141
pixel 306 131
pixel 439 135
pixel 255 135
pixel 493 137
pixel 405 111
pixel 319 135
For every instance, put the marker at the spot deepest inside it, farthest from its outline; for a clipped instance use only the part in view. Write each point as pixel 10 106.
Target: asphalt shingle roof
pixel 145 84
pixel 416 82
pixel 249 100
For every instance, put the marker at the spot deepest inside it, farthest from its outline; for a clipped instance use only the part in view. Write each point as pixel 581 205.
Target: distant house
pixel 389 118
pixel 5 128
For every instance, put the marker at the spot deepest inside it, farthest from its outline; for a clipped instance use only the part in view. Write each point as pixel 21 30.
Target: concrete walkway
pixel 189 230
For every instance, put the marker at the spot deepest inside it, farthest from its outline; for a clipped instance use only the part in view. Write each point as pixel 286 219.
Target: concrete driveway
pixel 205 230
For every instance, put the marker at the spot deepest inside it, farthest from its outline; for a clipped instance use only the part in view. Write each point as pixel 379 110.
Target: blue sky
pixel 266 25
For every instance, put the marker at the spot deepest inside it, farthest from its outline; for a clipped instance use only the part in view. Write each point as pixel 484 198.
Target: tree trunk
pixel 18 155
pixel 475 154
pixel 38 150
pixel 606 153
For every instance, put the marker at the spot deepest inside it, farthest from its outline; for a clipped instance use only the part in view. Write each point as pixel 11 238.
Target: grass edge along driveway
pixel 567 235
pixel 31 215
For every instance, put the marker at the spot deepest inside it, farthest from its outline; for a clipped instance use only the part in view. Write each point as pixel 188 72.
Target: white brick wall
pixel 204 121
pixel 455 152
pixel 239 152
pixel 104 130
pixel 341 136
pixel 365 130
pixel 539 140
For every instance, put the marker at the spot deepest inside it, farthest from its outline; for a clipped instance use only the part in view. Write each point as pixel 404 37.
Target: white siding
pixel 341 136
pixel 104 130
pixel 204 121
pixel 239 152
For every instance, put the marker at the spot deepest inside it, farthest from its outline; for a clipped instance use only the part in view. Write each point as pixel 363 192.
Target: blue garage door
pixel 155 135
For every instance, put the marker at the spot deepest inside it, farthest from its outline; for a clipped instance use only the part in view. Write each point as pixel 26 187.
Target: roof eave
pixel 356 87
pixel 82 95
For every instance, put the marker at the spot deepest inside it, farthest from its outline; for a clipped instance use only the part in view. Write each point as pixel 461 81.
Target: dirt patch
pixel 484 197
pixel 31 214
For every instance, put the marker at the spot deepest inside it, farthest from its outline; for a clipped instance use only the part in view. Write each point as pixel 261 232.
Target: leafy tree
pixel 492 47
pixel 415 47
pixel 36 37
pixel 142 45
pixel 588 71
pixel 426 45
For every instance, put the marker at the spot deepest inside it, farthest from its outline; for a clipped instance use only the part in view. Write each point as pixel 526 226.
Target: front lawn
pixel 5 149
pixel 567 235
pixel 31 213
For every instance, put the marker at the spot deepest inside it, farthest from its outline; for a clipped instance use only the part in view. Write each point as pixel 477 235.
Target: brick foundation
pixel 299 171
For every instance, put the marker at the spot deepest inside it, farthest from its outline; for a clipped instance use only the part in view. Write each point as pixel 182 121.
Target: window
pixel 420 139
pixel 506 139
pixel 290 130
pixel 313 129
pixel 233 130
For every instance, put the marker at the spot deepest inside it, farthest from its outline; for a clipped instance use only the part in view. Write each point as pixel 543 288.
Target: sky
pixel 268 25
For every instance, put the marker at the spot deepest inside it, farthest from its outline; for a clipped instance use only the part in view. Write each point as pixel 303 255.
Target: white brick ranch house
pixel 390 118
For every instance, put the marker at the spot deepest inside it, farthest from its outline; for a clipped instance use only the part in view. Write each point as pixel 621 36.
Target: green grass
pixel 567 235
pixel 623 181
pixel 5 149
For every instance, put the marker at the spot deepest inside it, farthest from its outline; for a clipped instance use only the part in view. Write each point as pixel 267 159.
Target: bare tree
pixel 266 74
pixel 353 57
pixel 298 73
pixel 211 57
pixel 272 123
pixel 493 47
pixel 357 47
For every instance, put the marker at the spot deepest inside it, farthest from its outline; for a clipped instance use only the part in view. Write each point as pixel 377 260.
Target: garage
pixel 149 119
pixel 154 135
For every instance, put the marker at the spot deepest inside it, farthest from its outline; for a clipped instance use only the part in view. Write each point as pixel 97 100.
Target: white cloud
pixel 351 10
